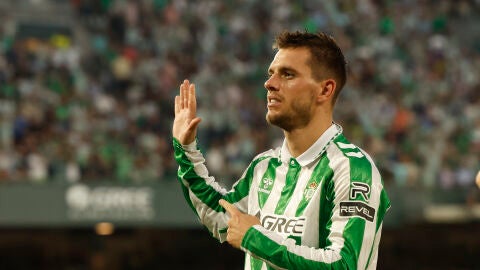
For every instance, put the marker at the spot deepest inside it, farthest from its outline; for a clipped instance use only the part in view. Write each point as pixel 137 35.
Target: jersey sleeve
pixel 202 192
pixel 353 229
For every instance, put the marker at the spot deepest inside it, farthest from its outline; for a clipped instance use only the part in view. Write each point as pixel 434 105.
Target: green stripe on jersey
pixel 354 231
pixel 242 187
pixel 325 203
pixel 197 184
pixel 259 244
pixel 290 183
pixel 360 166
pixel 255 264
pixel 360 173
pixel 266 184
pixel 186 194
pixel 382 208
pixel 315 183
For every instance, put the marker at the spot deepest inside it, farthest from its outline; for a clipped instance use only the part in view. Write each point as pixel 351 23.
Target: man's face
pixel 291 97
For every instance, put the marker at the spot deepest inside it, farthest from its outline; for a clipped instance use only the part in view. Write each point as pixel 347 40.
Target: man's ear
pixel 327 90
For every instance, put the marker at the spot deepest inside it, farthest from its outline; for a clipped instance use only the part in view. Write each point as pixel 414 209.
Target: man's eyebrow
pixel 282 69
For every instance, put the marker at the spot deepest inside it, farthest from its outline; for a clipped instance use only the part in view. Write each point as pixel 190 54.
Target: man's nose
pixel 271 84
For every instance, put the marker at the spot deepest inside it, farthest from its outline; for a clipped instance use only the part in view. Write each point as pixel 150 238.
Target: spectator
pixel 106 95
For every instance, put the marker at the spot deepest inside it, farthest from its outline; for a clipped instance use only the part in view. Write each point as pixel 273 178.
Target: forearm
pixel 200 190
pixel 284 253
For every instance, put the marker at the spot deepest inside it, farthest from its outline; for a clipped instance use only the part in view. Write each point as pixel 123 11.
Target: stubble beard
pixel 297 116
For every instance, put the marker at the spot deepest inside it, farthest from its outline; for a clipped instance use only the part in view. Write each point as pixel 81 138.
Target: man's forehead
pixel 291 57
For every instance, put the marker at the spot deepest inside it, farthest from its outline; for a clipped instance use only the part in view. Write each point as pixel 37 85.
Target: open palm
pixel 186 120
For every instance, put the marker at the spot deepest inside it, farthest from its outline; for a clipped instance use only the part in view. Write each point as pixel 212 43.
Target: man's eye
pixel 288 75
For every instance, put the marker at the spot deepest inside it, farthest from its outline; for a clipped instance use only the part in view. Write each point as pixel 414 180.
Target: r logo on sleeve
pixel 356 207
pixel 359 188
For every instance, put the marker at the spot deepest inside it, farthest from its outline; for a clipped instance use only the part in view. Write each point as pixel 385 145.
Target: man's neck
pixel 299 140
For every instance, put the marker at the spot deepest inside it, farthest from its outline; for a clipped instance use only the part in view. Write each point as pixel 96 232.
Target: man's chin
pixel 270 119
pixel 276 121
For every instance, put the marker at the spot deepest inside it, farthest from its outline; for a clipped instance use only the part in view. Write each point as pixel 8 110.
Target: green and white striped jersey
pixel 321 210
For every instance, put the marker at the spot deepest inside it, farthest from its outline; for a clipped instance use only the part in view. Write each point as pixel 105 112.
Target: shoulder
pixel 344 149
pixel 348 158
pixel 265 156
pixel 355 175
pixel 270 153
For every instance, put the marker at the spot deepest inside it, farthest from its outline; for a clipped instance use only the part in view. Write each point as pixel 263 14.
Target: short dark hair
pixel 326 55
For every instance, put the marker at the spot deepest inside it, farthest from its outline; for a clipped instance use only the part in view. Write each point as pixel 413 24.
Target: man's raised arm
pixel 186 120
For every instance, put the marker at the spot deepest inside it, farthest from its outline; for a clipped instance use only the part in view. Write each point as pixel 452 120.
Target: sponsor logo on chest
pixel 284 225
pixel 266 185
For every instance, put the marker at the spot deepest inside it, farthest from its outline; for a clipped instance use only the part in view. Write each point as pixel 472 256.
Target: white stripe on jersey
pixel 368 239
pixel 374 256
pixel 354 154
pixel 336 157
pixel 202 171
pixel 346 145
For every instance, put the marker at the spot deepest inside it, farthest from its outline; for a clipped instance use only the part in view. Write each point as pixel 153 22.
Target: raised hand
pixel 238 224
pixel 186 120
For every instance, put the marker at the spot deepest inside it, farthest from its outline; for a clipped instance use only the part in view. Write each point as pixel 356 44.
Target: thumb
pixel 230 208
pixel 194 123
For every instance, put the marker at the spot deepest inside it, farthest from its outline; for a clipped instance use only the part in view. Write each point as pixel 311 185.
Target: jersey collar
pixel 315 150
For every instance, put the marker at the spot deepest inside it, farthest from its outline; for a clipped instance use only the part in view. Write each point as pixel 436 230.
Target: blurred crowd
pixel 98 104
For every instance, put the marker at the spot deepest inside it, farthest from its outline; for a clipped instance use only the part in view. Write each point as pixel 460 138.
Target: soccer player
pixel 316 202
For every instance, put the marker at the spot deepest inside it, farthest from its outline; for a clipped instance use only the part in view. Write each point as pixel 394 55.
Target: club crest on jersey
pixel 310 190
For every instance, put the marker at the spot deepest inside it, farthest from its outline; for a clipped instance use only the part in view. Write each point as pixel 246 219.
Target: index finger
pixel 230 208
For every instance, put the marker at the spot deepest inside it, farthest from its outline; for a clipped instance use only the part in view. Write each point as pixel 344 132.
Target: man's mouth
pixel 271 101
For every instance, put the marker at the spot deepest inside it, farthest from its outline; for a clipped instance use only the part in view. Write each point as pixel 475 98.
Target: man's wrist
pixel 187 147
